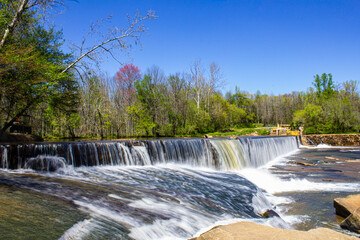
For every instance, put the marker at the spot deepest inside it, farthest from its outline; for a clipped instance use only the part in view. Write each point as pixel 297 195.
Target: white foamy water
pixel 273 184
pixel 323 146
pixel 79 231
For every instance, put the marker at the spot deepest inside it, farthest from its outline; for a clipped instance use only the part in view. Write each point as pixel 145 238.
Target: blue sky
pixel 274 46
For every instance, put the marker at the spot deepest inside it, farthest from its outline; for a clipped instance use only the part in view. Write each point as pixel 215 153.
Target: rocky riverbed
pixel 312 178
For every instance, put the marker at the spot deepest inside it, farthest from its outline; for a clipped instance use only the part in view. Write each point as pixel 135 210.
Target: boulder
pixel 352 222
pixel 45 163
pixel 345 206
pixel 269 213
pixel 305 164
pixel 249 230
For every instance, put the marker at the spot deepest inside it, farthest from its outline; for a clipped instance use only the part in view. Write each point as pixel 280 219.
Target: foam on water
pixel 79 231
pixel 181 215
pixel 322 146
pixel 183 219
pixel 273 184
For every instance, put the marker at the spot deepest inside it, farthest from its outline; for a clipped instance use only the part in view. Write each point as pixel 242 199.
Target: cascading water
pixel 151 189
pixel 215 153
pixel 4 157
pixel 261 150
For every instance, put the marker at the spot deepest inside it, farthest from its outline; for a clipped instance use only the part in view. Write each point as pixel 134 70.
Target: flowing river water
pixel 168 189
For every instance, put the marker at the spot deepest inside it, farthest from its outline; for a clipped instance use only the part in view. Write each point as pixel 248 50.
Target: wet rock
pixel 327 180
pixel 136 143
pixel 330 170
pixel 269 213
pixel 353 161
pixel 345 206
pixel 208 136
pixel 305 164
pixel 45 163
pixel 249 230
pixel 352 222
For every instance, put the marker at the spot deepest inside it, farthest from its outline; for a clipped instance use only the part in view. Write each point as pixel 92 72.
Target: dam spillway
pixel 220 154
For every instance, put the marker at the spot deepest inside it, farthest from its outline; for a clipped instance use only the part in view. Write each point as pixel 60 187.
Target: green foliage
pixel 263 131
pixel 141 116
pixel 331 111
pixel 311 117
pixel 31 62
pixel 324 85
pixel 31 81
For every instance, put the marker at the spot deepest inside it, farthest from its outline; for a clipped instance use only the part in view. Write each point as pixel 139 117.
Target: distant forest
pixel 66 95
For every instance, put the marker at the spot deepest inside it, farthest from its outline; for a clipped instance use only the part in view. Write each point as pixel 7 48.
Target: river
pixel 168 189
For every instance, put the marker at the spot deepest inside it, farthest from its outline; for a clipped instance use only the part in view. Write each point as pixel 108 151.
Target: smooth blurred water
pixel 154 202
pixel 172 189
pixel 311 190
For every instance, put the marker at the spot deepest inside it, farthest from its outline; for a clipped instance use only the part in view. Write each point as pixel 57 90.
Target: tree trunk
pixel 101 124
pixel 8 124
pixel 15 19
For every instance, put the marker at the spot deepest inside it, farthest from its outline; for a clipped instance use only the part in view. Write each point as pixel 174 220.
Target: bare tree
pixel 215 81
pixel 198 82
pixel 116 38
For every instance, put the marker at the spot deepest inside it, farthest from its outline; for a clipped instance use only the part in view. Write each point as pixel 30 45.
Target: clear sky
pixel 275 46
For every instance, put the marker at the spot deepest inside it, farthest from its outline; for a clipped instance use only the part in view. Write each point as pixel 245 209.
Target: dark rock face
pixel 345 206
pixel 352 222
pixel 349 208
pixel 269 213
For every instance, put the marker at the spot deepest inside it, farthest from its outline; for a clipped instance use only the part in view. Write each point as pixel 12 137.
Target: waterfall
pixel 195 152
pixel 231 154
pixel 224 154
pixel 3 157
pixel 261 150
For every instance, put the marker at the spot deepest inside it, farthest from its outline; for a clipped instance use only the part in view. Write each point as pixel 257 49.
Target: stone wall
pixel 332 139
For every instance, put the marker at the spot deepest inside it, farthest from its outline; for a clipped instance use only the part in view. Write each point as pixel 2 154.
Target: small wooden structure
pixel 22 125
pixel 284 130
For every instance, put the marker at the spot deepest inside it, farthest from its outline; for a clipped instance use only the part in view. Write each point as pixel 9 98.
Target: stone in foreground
pixel 249 230
pixel 346 206
pixel 352 222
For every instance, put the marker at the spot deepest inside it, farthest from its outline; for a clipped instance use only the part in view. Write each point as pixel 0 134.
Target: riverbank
pixel 19 138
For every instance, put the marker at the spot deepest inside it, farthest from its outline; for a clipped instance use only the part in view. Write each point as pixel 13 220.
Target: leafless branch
pixel 119 40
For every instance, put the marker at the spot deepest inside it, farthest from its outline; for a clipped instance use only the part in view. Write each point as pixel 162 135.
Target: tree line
pixel 191 103
pixel 66 95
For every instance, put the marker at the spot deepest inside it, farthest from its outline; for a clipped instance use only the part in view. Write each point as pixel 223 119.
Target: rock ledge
pixel 349 208
pixel 249 230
